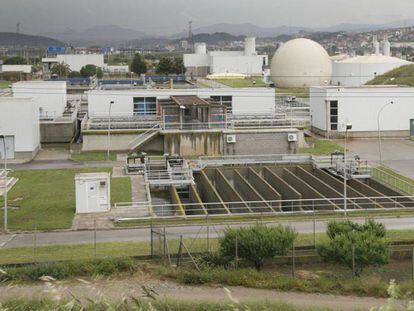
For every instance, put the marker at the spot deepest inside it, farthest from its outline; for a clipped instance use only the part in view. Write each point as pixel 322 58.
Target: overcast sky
pixel 171 16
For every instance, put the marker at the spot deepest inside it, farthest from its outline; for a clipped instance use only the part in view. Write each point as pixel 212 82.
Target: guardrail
pixel 366 205
pixel 392 181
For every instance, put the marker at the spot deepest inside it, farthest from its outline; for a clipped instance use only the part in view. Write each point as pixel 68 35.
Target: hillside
pixel 14 39
pixel 403 75
pixel 216 38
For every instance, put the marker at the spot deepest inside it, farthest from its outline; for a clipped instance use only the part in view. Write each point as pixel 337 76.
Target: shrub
pixel 355 246
pixel 257 243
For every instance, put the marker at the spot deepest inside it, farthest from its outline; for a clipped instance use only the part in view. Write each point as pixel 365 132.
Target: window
pixel 333 110
pixel 223 100
pixel 145 105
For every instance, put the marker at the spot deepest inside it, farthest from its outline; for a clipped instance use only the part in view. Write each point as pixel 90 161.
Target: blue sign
pixel 56 49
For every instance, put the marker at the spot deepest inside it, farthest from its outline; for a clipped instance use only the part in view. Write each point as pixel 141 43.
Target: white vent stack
pixel 250 46
pixel 200 48
pixel 386 46
pixel 376 45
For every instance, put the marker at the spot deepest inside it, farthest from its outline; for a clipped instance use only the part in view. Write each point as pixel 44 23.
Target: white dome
pixel 373 59
pixel 301 63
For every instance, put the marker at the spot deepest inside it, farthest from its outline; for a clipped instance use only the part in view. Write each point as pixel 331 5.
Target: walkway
pixel 188 231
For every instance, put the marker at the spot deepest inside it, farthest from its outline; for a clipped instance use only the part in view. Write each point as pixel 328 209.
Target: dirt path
pixel 113 290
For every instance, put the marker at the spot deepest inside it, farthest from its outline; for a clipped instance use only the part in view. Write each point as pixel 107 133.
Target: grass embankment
pixel 322 147
pixel 92 156
pixel 247 82
pixel 45 199
pixel 293 91
pixel 4 84
pixel 134 304
pixel 403 75
pixel 140 248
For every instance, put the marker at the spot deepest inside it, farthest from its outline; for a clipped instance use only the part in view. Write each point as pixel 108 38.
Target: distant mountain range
pixel 14 39
pixel 97 35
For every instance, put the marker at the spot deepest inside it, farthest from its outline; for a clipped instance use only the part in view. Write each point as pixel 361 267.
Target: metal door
pixel 9 147
pixel 411 127
pixel 93 197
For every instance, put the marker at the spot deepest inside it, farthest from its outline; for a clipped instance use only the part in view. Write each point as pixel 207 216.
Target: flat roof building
pixel 19 122
pixel 49 97
pixel 203 62
pixel 74 61
pixel 334 107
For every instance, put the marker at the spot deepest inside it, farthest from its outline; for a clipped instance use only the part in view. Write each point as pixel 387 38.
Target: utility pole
pixel 5 183
pixel 109 130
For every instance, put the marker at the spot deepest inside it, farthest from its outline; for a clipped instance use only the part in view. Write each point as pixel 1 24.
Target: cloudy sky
pixel 171 16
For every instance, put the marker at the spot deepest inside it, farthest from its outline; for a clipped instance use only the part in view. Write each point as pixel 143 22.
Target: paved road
pixel 143 234
pixel 397 154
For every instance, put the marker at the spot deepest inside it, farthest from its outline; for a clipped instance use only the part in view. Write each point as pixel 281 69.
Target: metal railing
pixel 392 181
pixel 365 205
pixel 144 137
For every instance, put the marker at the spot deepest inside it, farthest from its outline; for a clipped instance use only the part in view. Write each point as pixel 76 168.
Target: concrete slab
pixel 52 154
pixel 118 172
pixel 97 221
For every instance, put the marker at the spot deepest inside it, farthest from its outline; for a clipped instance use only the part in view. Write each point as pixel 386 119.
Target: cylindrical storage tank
pixel 301 63
pixel 200 48
pixel 250 46
pixel 387 48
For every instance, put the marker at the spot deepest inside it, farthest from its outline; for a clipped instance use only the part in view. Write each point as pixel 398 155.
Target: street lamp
pixel 5 181
pixel 379 129
pixel 109 130
pixel 348 127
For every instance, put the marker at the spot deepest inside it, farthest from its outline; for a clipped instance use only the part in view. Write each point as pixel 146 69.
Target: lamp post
pixel 379 129
pixel 5 182
pixel 109 130
pixel 347 128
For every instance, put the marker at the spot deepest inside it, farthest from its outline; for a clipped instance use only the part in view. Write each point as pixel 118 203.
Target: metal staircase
pixel 144 137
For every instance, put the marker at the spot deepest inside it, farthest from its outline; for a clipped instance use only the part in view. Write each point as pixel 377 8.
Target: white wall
pixel 16 68
pixel 248 65
pixel 360 107
pixel 49 96
pixel 116 68
pixel 196 60
pixel 77 61
pixel 245 100
pixel 317 102
pixel 353 74
pixel 19 118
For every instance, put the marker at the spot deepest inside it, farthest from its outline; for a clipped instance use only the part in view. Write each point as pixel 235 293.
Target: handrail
pixel 147 133
pixel 392 181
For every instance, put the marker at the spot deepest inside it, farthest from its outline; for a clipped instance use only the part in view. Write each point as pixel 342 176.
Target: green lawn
pixel 248 82
pixel 46 198
pixel 322 147
pixel 92 156
pixel 4 84
pixel 403 75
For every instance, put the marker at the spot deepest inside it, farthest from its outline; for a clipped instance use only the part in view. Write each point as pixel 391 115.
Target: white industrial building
pixel 334 107
pixel 16 68
pixel 144 101
pixel 246 62
pixel 359 70
pixel 116 69
pixel 74 61
pixel 19 122
pixel 49 97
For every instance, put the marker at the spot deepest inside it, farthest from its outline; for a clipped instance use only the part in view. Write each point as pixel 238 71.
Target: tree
pixel 138 65
pixel 60 69
pixel 165 66
pixel 74 74
pixel 257 243
pixel 16 60
pixel 91 70
pixel 178 66
pixel 354 244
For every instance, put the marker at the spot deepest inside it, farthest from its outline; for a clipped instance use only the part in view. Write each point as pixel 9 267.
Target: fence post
pixel 208 235
pixel 353 261
pixel 293 259
pixel 34 242
pixel 152 242
pixel 179 251
pixel 165 244
pixel 314 231
pixel 237 253
pixel 412 261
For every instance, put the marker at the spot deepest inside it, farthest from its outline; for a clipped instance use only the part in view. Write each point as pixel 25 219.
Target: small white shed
pixel 93 192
